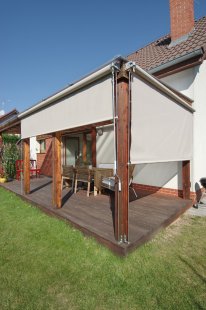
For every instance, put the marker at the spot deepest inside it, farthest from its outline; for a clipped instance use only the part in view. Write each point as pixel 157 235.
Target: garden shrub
pixel 9 154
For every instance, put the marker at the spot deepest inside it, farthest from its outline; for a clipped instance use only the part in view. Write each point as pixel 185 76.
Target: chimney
pixel 181 18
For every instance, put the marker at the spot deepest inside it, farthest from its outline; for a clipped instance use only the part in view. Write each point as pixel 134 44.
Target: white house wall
pixel 183 81
pixel 167 175
pixel 199 161
pixel 33 148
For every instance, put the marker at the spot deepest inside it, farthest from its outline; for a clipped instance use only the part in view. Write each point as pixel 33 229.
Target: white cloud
pixel 2 112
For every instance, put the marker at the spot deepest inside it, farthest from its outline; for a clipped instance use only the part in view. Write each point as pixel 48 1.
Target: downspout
pixel 115 69
pixel 115 117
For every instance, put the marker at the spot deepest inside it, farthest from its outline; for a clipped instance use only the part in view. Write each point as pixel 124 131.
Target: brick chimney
pixel 181 18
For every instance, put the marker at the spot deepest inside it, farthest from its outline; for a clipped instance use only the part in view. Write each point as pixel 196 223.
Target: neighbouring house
pixel 179 59
pixel 10 124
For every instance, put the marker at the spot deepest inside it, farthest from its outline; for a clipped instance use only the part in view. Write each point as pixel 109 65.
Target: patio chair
pixel 109 182
pixel 68 174
pixel 100 173
pixel 84 175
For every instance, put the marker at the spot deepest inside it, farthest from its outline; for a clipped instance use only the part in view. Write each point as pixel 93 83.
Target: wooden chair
pixel 85 175
pixel 68 174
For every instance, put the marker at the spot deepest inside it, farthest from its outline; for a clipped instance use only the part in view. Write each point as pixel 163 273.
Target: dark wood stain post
pixel 122 138
pixel 186 179
pixel 56 154
pixel 26 148
pixel 94 151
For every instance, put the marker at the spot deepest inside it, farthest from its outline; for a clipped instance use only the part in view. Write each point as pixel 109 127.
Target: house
pixel 101 120
pixel 120 115
pixel 179 59
pixel 10 124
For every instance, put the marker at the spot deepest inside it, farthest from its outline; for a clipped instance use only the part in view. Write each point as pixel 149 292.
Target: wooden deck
pixel 94 215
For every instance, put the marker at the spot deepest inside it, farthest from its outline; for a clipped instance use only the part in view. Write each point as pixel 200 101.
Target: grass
pixel 46 264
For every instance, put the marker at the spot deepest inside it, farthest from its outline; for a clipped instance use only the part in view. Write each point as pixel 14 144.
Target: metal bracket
pixel 115 66
pixel 125 239
pixel 130 65
pixel 119 186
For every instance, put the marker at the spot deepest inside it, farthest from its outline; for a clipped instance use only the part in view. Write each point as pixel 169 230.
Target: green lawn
pixel 46 264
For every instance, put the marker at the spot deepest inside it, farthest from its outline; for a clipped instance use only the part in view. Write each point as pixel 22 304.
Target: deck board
pixel 93 215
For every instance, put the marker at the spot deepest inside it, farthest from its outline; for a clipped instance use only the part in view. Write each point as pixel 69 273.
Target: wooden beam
pixel 56 156
pixel 84 147
pixel 26 167
pixel 179 67
pixel 186 179
pixel 122 138
pixel 94 151
pixel 87 128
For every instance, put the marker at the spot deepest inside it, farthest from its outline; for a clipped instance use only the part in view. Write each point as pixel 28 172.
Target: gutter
pixel 99 73
pixel 197 52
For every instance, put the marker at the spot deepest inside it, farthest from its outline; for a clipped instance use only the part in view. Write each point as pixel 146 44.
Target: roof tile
pixel 160 51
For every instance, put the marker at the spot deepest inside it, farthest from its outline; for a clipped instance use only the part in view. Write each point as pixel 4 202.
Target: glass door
pixel 71 150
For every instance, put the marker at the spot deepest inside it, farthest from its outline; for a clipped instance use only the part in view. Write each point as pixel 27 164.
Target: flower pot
pixel 2 180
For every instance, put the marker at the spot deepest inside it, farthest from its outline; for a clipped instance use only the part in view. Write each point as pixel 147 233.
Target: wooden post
pixel 26 150
pixel 122 138
pixel 84 147
pixel 186 179
pixel 94 140
pixel 56 157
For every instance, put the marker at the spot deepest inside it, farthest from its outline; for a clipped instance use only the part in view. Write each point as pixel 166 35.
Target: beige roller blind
pixel 89 105
pixel 161 128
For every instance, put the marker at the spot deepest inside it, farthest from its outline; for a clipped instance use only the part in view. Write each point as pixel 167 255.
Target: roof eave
pixel 195 53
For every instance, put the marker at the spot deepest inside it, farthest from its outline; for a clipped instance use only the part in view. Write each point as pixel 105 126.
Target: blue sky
pixel 48 44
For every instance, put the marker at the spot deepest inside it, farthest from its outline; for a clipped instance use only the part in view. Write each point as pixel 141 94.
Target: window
pixel 42 146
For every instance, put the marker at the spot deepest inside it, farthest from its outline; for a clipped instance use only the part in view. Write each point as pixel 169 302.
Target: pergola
pixel 152 123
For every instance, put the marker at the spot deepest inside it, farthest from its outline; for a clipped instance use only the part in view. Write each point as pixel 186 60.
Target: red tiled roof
pixel 159 52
